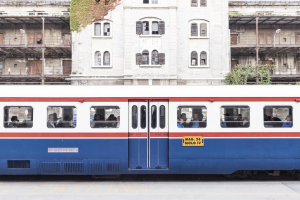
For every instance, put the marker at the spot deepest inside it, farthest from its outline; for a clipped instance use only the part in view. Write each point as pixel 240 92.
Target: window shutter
pixel 194 29
pixel 139 28
pixel 203 3
pixel 138 59
pixel 203 29
pixel 194 3
pixel 203 57
pixel 161 27
pixel 161 58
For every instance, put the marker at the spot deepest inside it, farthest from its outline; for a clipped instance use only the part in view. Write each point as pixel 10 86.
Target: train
pixel 115 130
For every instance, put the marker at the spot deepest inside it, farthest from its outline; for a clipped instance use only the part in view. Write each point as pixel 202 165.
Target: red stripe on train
pixel 138 134
pixel 238 134
pixel 69 135
pixel 159 134
pixel 154 99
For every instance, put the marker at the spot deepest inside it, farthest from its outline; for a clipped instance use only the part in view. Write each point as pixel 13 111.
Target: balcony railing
pixel 24 40
pixel 266 40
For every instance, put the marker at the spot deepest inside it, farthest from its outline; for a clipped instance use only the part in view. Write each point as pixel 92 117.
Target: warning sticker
pixel 62 150
pixel 191 141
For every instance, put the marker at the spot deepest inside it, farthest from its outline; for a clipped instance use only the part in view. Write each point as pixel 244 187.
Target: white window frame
pixel 102 29
pixel 199 59
pixel 150 57
pixel 102 59
pixel 150 20
pixel 150 3
pixel 199 2
pixel 198 22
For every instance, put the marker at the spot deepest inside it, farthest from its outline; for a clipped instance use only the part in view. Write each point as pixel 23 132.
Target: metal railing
pixel 25 40
pixel 266 40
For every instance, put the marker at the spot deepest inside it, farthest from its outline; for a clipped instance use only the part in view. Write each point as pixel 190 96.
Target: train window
pixel 18 117
pixel 153 117
pixel 162 116
pixel 191 117
pixel 105 117
pixel 134 117
pixel 235 117
pixel 61 117
pixel 278 116
pixel 143 117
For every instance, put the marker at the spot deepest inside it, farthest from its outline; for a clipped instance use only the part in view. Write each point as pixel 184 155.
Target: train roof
pixel 150 91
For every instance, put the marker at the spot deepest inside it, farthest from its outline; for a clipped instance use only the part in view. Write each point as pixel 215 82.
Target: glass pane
pixel 61 117
pixel 97 29
pixel 146 28
pixel 105 117
pixel 278 116
pixel 235 117
pixel 106 60
pixel 162 116
pixel 134 117
pixel 154 28
pixel 153 117
pixel 98 58
pixel 145 1
pixel 18 117
pixel 191 117
pixel 143 117
pixel 145 58
pixel 154 1
pixel 106 29
pixel 155 58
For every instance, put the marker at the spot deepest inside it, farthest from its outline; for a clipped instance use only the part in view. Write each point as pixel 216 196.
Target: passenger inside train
pixel 191 116
pixel 278 117
pixel 20 117
pixel 105 117
pixel 235 117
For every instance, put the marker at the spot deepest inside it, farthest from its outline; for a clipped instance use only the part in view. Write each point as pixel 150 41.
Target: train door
pixel 148 134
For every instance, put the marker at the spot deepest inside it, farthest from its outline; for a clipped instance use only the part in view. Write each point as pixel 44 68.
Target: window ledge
pixel 150 35
pixel 194 37
pixel 150 65
pixel 102 37
pixel 199 66
pixel 106 66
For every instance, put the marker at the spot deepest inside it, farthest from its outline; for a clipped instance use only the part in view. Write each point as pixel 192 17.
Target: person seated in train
pixel 180 123
pixel 118 122
pixel 183 116
pixel 227 120
pixel 109 120
pixel 102 122
pixel 195 121
pixel 72 123
pixel 65 123
pixel 96 123
pixel 51 123
pixel 223 124
pixel 114 122
pixel 239 120
pixel 288 122
pixel 14 122
pixel 55 119
pixel 276 122
pixel 245 122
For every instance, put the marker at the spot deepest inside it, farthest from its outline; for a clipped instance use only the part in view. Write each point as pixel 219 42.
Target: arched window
pixel 106 29
pixel 154 28
pixel 194 58
pixel 203 29
pixel 106 60
pixel 97 29
pixel 155 60
pixel 194 29
pixel 145 57
pixel 203 58
pixel 97 58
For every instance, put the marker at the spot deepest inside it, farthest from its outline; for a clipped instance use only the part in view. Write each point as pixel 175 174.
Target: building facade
pixel 155 42
pixel 35 42
pixel 271 28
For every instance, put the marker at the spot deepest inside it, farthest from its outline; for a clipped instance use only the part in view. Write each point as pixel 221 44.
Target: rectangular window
pixel 106 29
pixel 143 117
pixel 145 1
pixel 1 68
pixel 134 117
pixel 154 1
pixel 235 117
pixel 278 116
pixel 18 117
pixel 154 28
pixel 97 29
pixel 61 117
pixel 194 3
pixel 194 29
pixel 162 116
pixel 105 117
pixel 191 117
pixel 153 116
pixel 146 28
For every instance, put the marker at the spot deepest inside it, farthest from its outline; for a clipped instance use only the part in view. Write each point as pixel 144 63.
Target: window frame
pixel 199 59
pixel 102 29
pixel 150 20
pixel 199 4
pixel 234 105
pixel 150 57
pixel 106 128
pixel 191 128
pixel 150 3
pixel 278 128
pixel 67 128
pixel 102 58
pixel 32 108
pixel 199 22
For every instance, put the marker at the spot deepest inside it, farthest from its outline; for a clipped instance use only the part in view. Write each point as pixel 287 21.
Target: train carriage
pixel 111 130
